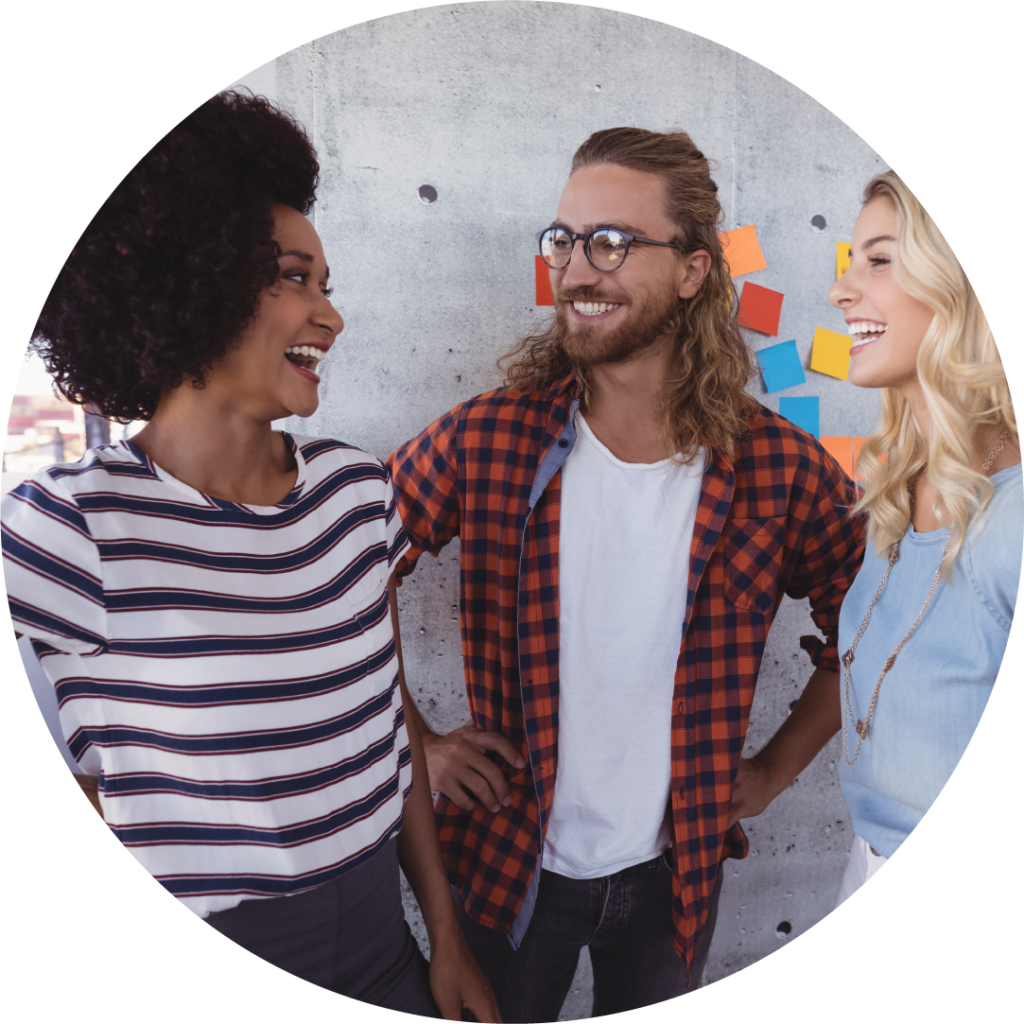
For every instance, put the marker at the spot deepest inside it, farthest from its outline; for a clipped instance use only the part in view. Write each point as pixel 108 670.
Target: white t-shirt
pixel 624 558
pixel 227 671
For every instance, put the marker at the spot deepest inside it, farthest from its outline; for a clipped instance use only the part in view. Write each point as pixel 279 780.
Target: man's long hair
pixel 702 403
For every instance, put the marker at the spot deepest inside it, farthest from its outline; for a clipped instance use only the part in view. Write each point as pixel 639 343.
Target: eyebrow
pixel 878 238
pixel 588 228
pixel 307 258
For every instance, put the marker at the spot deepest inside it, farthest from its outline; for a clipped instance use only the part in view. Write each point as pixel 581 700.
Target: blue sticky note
pixel 803 412
pixel 780 366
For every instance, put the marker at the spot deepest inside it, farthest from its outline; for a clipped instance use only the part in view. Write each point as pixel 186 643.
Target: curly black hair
pixel 170 269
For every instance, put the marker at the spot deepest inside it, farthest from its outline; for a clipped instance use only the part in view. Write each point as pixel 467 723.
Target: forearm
pixel 814 720
pixel 419 852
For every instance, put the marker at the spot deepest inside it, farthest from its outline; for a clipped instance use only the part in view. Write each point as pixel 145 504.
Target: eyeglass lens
pixel 607 248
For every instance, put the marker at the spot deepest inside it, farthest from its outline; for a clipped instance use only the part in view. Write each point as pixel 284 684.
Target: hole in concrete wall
pixel 817 221
pixel 428 194
pixel 792 704
pixel 782 929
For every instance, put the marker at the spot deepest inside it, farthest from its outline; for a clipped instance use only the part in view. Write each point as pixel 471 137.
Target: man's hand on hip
pixel 459 767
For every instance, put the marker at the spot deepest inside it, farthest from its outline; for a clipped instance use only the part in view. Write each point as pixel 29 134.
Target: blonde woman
pixel 923 629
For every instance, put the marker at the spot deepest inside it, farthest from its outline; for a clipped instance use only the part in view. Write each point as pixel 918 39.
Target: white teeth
pixel 309 351
pixel 594 308
pixel 865 327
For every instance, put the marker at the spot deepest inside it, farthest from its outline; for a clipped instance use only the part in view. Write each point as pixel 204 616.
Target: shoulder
pixel 328 453
pixel 775 452
pixel 993 551
pixel 56 492
pixel 488 418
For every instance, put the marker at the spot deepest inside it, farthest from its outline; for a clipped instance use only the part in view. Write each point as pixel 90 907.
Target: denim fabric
pixel 624 919
pixel 348 935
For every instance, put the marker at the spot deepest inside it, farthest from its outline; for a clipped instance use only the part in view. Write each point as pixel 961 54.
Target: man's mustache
pixel 589 295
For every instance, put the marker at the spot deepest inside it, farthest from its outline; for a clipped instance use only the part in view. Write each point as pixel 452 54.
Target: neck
pixel 985 438
pixel 622 406
pixel 204 439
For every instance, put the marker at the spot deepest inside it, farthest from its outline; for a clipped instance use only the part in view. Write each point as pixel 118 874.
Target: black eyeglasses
pixel 605 248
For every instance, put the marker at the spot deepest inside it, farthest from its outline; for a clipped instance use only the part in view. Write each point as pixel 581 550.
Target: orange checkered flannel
pixel 774 520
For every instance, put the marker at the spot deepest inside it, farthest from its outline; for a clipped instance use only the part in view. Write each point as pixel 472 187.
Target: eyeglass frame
pixel 575 237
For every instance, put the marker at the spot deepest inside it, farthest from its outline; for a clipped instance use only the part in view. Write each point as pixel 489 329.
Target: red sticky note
pixel 544 296
pixel 841 449
pixel 760 308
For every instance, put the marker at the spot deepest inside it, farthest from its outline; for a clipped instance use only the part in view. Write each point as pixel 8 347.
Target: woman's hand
pixel 456 982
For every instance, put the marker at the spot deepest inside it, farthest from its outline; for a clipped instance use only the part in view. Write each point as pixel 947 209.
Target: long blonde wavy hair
pixel 702 403
pixel 961 377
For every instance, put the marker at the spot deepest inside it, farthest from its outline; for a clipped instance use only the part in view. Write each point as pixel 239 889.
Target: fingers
pixel 459 767
pixel 482 1004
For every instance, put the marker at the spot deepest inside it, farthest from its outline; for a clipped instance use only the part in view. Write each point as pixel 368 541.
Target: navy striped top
pixel 227 671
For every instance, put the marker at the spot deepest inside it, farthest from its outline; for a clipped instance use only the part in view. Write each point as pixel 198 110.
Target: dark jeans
pixel 348 935
pixel 626 921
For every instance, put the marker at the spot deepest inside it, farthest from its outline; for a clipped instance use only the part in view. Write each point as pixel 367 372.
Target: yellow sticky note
pixel 830 353
pixel 742 251
pixel 842 258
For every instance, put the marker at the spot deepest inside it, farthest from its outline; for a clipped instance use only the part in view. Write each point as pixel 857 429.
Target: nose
pixel 844 292
pixel 329 318
pixel 580 272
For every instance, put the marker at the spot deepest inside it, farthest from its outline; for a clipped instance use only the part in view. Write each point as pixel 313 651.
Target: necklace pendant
pixel 862 728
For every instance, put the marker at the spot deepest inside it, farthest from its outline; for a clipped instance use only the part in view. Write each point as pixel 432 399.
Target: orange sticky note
pixel 841 449
pixel 540 269
pixel 760 308
pixel 830 353
pixel 842 258
pixel 741 251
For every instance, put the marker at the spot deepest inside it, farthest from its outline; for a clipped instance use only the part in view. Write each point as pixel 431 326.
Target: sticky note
pixel 741 251
pixel 803 412
pixel 842 258
pixel 841 449
pixel 780 366
pixel 760 308
pixel 544 296
pixel 830 353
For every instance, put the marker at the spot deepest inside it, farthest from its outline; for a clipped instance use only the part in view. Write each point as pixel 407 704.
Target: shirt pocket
pixel 372 613
pixel 752 553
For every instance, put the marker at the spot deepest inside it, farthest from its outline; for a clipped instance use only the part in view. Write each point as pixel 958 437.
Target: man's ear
pixel 695 267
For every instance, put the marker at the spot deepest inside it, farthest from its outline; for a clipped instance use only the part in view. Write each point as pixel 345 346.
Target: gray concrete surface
pixel 486 103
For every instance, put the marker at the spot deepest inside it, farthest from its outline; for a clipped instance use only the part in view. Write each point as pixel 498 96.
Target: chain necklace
pixel 862 725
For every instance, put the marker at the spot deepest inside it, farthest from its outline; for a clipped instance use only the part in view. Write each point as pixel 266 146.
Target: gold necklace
pixel 862 725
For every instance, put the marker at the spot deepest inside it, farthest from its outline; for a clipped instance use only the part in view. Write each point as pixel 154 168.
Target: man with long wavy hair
pixel 629 521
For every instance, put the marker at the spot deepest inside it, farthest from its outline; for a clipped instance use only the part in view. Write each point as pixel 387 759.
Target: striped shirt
pixel 227 671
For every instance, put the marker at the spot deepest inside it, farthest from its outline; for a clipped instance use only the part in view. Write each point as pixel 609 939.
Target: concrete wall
pixel 486 103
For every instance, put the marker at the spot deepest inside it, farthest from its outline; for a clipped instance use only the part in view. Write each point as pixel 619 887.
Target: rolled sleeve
pixel 424 472
pixel 830 556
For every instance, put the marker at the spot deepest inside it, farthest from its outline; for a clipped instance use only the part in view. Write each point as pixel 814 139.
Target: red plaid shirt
pixel 771 521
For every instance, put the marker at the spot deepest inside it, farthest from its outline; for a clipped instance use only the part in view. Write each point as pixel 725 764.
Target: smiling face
pixel 607 317
pixel 270 371
pixel 886 323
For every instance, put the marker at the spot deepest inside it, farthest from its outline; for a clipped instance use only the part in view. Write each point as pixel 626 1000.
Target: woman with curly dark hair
pixel 213 600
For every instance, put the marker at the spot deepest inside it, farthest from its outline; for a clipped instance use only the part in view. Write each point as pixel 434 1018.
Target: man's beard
pixel 643 324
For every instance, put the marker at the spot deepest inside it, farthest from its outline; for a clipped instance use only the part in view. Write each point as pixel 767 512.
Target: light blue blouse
pixel 932 698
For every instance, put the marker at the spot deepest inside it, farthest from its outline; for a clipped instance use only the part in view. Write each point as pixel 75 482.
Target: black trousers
pixel 624 919
pixel 349 935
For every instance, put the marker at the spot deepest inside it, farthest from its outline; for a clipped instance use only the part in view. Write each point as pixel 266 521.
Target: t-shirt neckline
pixel 638 467
pixel 230 506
